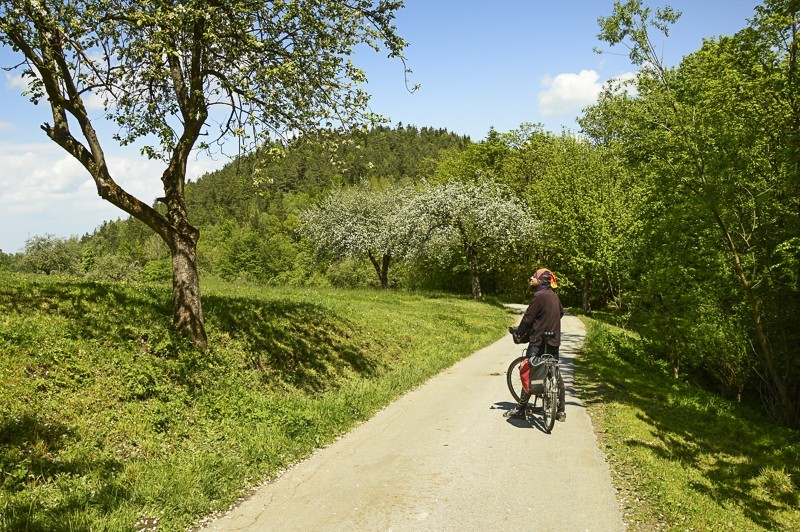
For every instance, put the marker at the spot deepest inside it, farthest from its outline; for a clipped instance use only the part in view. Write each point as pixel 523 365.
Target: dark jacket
pixel 542 315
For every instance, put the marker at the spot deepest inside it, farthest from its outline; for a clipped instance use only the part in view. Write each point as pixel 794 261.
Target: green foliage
pixel 156 270
pixel 110 419
pixel 587 209
pixel 713 144
pixel 48 254
pixel 114 267
pixel 351 273
pixel 682 458
pixel 6 261
pixel 401 155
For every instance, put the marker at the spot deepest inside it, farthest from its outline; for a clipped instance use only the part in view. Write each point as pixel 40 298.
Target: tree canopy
pixel 170 73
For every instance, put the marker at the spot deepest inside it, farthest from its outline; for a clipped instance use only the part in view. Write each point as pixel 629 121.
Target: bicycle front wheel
pixel 550 403
pixel 514 380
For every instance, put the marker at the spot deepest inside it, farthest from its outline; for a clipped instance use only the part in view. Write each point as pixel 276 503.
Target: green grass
pixel 109 422
pixel 684 459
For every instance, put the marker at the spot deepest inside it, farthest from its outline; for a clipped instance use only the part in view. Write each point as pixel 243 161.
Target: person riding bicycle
pixel 542 315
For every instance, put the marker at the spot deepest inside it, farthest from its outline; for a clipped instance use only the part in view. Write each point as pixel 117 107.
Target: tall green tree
pixel 172 72
pixel 586 207
pixel 718 136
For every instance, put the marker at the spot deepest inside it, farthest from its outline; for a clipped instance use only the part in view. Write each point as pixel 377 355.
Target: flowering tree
pixel 479 219
pixel 360 221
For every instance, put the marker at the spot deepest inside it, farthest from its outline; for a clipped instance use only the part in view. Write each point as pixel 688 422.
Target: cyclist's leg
pixel 533 350
pixel 562 392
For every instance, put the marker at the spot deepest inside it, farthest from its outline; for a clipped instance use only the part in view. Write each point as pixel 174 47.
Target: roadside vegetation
pixel 110 421
pixel 682 458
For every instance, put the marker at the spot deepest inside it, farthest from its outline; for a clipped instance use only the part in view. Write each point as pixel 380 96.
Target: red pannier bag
pixel 532 377
pixel 525 374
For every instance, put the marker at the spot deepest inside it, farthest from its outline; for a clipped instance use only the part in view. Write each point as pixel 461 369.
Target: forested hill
pixel 248 212
pixel 312 165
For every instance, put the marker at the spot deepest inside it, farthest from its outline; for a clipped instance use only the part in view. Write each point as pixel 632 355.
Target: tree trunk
pixel 187 311
pixel 587 289
pixel 382 268
pixel 475 276
pixel 476 284
pixel 385 270
pixel 788 408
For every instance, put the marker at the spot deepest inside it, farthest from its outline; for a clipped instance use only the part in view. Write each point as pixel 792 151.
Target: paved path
pixel 443 457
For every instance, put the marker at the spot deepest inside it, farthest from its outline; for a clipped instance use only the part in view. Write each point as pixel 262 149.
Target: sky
pixel 481 65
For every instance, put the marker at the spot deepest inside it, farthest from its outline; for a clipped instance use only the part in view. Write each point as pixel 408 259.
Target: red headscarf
pixel 546 276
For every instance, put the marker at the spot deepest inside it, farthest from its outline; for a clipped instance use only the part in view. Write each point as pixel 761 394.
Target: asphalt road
pixel 443 457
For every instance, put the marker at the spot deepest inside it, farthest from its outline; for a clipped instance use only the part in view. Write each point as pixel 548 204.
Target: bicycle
pixel 547 390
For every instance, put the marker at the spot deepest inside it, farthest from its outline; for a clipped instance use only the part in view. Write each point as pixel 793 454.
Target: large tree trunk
pixel 187 311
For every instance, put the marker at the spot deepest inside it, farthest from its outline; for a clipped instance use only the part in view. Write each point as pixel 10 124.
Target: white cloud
pixel 622 83
pixel 567 93
pixel 45 190
pixel 6 126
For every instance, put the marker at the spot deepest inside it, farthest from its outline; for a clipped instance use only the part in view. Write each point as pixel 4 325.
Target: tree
pixel 169 73
pixel 371 221
pixel 5 261
pixel 585 204
pixel 49 254
pixel 483 220
pixel 719 137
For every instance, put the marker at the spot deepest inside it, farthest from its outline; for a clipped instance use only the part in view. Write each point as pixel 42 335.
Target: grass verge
pixel 681 458
pixel 109 422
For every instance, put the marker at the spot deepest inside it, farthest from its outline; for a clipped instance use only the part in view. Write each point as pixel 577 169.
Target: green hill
pixel 108 420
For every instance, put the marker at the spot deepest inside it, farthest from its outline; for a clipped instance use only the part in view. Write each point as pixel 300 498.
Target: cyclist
pixel 543 314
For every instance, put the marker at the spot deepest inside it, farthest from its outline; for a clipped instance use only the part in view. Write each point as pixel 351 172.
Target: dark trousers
pixel 533 352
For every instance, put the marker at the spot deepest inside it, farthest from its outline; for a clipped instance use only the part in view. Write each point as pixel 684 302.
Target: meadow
pixel 110 422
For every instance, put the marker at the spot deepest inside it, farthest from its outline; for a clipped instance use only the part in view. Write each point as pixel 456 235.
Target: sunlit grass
pixel 109 422
pixel 685 459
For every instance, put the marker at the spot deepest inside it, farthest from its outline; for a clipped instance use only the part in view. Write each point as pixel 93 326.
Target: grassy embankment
pixel 107 422
pixel 684 459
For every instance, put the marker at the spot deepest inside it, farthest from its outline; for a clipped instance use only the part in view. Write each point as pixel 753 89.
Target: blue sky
pixel 481 64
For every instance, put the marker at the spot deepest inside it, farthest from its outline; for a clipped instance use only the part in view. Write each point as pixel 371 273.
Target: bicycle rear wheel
pixel 514 380
pixel 549 402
